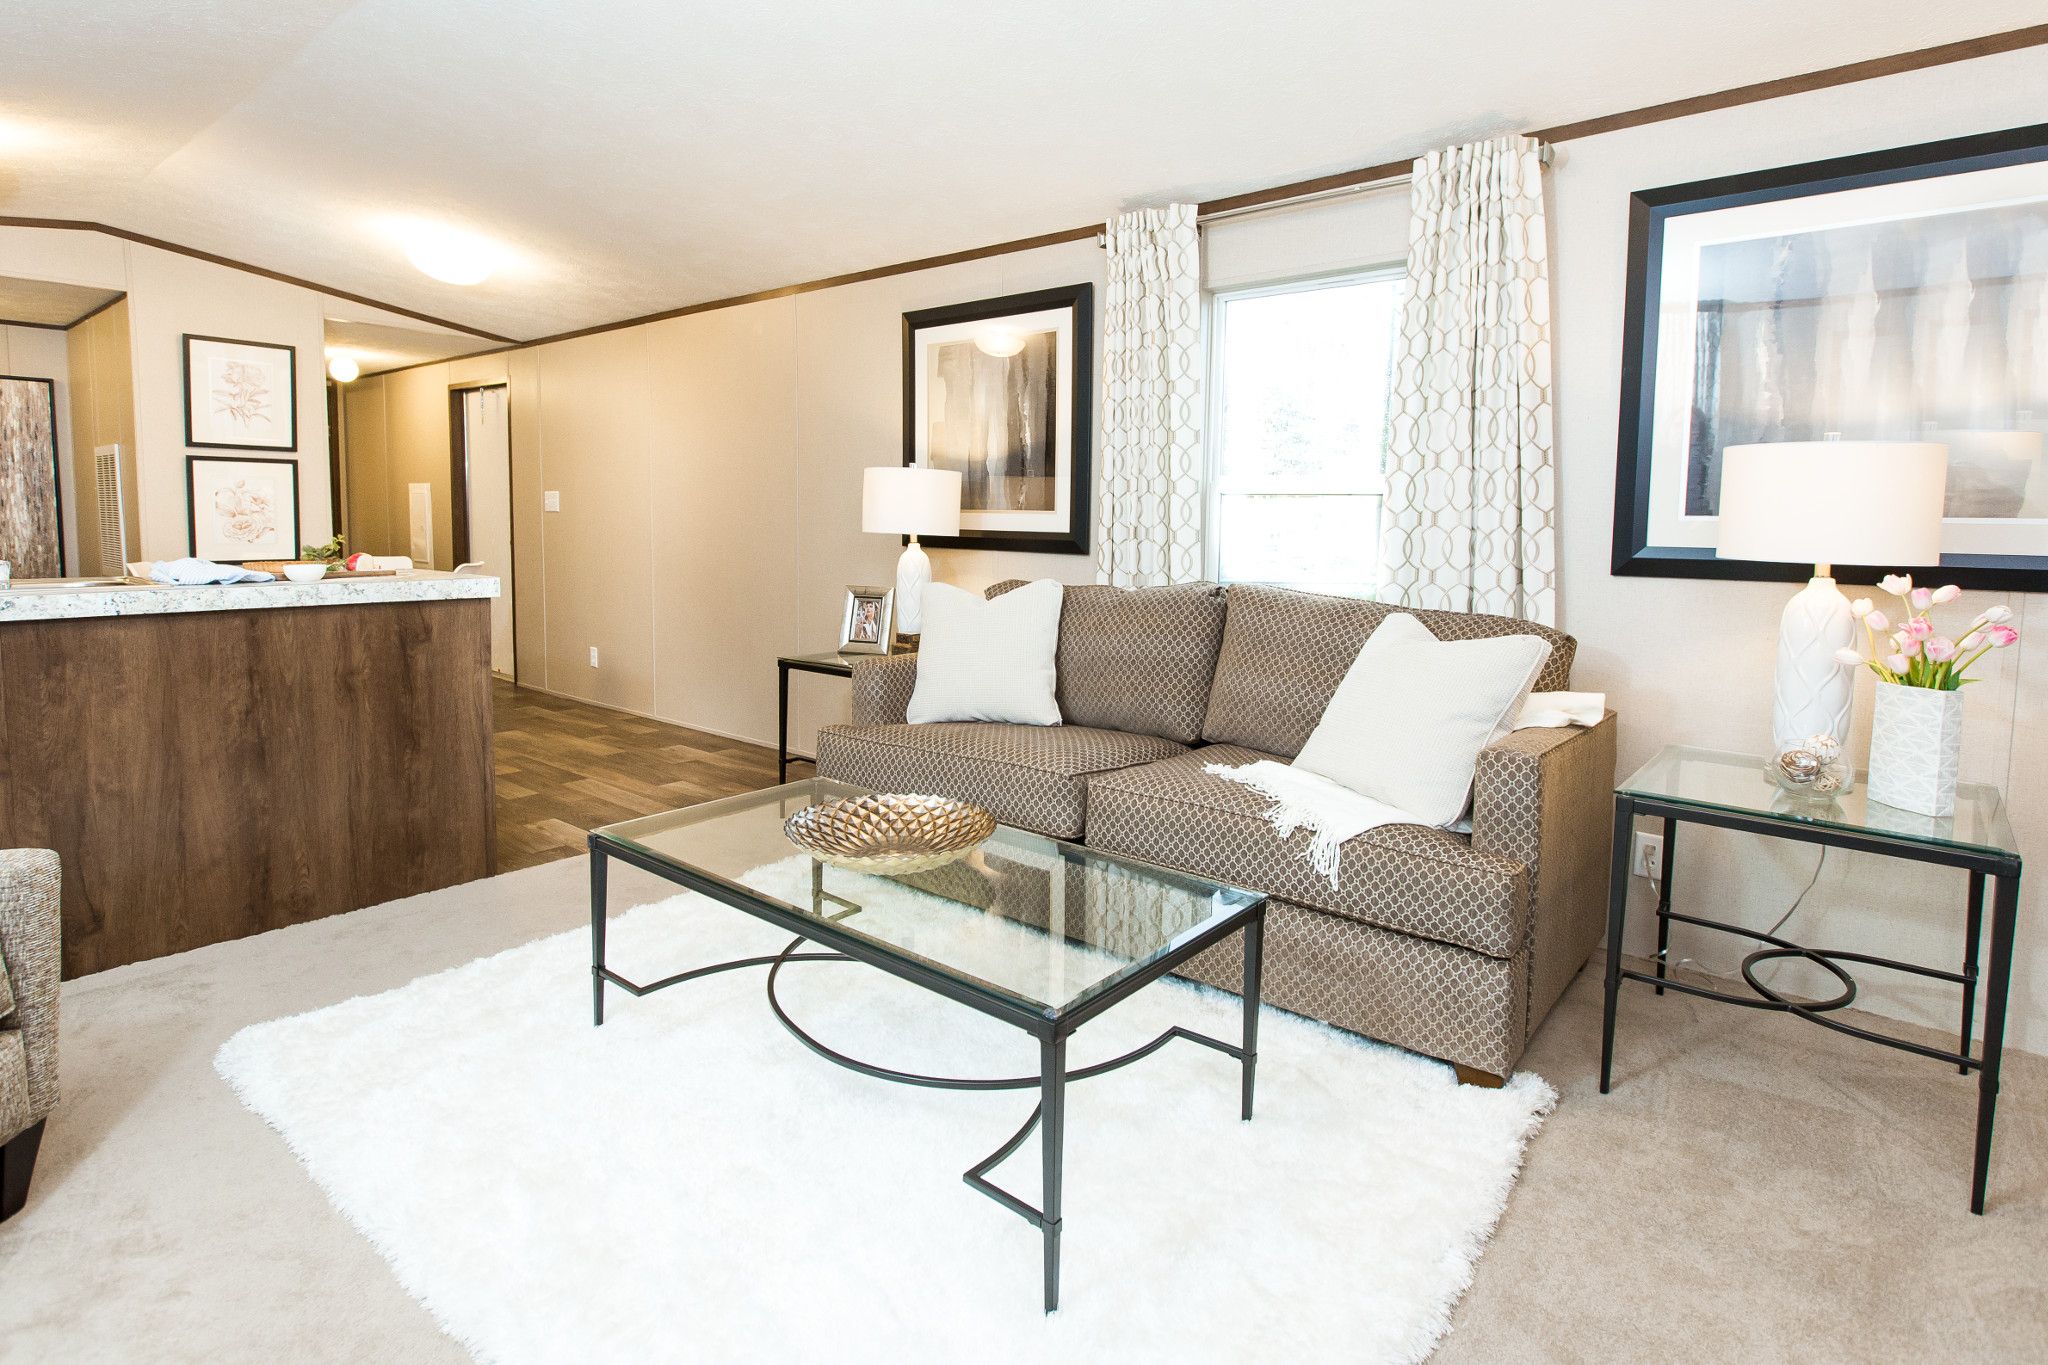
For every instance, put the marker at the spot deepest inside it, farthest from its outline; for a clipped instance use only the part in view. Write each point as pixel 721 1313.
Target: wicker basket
pixel 890 834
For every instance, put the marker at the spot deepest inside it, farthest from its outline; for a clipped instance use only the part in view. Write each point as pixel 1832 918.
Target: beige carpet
pixel 1754 1189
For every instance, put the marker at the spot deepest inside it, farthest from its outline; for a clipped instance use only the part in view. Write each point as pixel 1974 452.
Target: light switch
pixel 551 501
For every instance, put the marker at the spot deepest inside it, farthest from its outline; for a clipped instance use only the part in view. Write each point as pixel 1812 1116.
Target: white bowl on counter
pixel 305 573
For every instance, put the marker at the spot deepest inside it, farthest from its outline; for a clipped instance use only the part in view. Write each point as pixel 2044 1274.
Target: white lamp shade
pixel 910 500
pixel 1874 503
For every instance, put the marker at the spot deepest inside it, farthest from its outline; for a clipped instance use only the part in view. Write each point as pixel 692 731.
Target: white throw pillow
pixel 1406 725
pixel 988 659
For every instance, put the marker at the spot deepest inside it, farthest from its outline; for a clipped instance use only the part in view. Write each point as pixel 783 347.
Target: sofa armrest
pixel 881 688
pixel 31 920
pixel 1546 799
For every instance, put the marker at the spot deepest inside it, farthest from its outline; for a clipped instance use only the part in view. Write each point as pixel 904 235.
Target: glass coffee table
pixel 1041 934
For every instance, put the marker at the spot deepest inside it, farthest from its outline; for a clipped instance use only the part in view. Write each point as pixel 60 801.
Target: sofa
pixel 29 934
pixel 1450 944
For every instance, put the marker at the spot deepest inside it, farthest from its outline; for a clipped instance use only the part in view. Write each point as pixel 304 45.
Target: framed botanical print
pixel 1894 296
pixel 242 509
pixel 868 623
pixel 241 395
pixel 1001 390
pixel 31 502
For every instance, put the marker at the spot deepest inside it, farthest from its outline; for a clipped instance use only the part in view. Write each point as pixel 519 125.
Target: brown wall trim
pixel 88 317
pixel 2013 40
pixel 45 326
pixel 79 225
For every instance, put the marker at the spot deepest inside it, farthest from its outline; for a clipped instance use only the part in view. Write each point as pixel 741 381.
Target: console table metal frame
pixel 1050 1026
pixel 784 666
pixel 2003 869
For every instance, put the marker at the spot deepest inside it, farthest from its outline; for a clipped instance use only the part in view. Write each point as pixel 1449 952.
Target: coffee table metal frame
pixel 1049 1025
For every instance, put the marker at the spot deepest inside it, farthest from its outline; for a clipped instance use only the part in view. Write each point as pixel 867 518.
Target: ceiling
pixel 378 348
pixel 48 304
pixel 647 154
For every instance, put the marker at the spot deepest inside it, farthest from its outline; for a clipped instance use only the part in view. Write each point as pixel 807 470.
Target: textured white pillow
pixel 1406 725
pixel 988 660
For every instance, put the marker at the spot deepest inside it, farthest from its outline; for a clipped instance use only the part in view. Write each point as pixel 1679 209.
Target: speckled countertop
pixel 26 603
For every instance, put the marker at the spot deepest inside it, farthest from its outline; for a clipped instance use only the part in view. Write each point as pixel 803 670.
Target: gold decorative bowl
pixel 888 833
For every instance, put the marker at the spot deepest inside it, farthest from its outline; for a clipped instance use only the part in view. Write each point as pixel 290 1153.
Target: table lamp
pixel 911 500
pixel 1871 503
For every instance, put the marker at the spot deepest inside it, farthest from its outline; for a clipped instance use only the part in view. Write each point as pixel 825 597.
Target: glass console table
pixel 1733 791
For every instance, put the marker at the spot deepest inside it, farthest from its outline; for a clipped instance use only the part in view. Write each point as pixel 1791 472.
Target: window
pixel 1299 375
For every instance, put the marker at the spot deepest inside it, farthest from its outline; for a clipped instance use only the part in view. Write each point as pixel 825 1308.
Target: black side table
pixel 836 665
pixel 1731 791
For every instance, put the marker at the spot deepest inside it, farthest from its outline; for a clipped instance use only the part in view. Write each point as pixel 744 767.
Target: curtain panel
pixel 1469 518
pixel 1150 523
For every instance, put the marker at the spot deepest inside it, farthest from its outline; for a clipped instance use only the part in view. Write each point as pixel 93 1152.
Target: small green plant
pixel 330 553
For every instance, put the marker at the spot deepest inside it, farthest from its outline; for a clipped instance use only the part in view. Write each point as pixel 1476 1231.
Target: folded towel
pixel 189 573
pixel 1304 800
pixel 1555 710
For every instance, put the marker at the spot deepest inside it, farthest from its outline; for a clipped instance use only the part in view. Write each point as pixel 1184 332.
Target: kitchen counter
pixel 27 601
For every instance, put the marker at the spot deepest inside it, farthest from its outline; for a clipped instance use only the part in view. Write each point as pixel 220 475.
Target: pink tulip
pixel 1877 620
pixel 1998 614
pixel 1947 594
pixel 1921 598
pixel 1897 584
pixel 1919 628
pixel 1909 647
pixel 1970 641
pixel 1897 663
pixel 1847 657
pixel 1860 608
pixel 2001 636
pixel 1940 649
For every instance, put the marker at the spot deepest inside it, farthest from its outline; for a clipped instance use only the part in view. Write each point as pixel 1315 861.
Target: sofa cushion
pixel 1138 659
pixel 1284 653
pixel 1033 776
pixel 981 659
pixel 1427 882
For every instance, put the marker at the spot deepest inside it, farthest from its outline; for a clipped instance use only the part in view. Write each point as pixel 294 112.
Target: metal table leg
pixel 1974 930
pixel 2005 906
pixel 781 723
pixel 1254 955
pixel 598 865
pixel 1052 1062
pixel 1617 915
pixel 1663 893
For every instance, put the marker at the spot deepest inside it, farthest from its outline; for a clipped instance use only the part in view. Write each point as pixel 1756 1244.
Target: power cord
pixel 1783 919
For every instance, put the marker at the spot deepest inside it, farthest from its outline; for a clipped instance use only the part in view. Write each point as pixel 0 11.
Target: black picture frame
pixel 291 362
pixel 192 462
pixel 1079 465
pixel 49 387
pixel 1650 211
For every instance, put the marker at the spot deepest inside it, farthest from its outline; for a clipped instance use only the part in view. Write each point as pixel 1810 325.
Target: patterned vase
pixel 1916 746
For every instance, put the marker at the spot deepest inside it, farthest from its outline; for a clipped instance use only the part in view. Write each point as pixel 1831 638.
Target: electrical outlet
pixel 1648 852
pixel 593 656
pixel 551 501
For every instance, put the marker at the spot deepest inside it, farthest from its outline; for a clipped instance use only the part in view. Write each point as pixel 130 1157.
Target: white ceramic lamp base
pixel 1812 690
pixel 913 576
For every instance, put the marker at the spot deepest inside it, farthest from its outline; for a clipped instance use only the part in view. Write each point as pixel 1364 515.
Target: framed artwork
pixel 1893 296
pixel 31 502
pixel 1001 390
pixel 868 624
pixel 241 395
pixel 242 509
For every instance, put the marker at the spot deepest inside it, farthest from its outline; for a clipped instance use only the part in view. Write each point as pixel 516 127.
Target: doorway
pixel 480 502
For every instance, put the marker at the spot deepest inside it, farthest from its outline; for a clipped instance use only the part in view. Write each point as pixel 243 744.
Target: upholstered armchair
pixel 29 929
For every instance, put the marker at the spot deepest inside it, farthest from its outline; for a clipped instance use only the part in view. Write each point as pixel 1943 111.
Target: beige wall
pixel 709 470
pixel 102 413
pixel 41 353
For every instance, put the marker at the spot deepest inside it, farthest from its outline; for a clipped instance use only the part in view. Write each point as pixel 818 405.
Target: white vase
pixel 1916 746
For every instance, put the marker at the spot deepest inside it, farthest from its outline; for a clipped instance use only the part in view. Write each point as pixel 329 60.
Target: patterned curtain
pixel 1151 485
pixel 1469 521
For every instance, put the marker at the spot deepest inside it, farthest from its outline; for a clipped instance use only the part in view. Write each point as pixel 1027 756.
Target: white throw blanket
pixel 1303 800
pixel 192 572
pixel 1337 815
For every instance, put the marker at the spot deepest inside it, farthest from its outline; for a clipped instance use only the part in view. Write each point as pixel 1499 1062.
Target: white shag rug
pixel 690 1183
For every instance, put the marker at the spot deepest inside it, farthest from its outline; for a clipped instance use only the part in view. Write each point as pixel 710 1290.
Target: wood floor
pixel 565 767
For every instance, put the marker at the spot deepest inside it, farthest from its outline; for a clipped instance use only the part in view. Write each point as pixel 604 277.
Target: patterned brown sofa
pixel 1450 945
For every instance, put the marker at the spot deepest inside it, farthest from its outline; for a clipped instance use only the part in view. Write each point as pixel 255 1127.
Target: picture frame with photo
pixel 238 510
pixel 1002 391
pixel 240 395
pixel 1899 295
pixel 867 624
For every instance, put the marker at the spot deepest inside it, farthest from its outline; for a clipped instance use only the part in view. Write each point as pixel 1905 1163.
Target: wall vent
pixel 113 542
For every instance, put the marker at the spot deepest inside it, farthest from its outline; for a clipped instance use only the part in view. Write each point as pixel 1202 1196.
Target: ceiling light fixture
pixel 343 368
pixel 449 254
